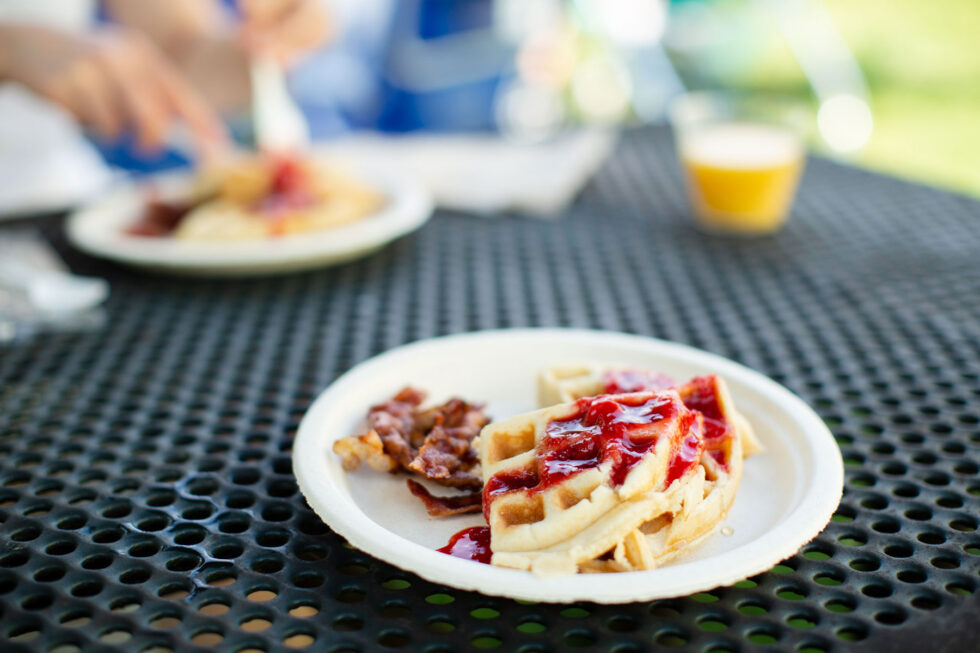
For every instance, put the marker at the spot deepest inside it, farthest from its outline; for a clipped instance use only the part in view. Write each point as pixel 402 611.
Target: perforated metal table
pixel 146 495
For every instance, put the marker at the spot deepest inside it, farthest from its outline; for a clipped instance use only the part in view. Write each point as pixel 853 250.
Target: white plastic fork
pixel 278 123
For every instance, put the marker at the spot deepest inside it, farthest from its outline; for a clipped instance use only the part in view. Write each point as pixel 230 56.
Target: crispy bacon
pixel 459 504
pixel 436 443
pixel 395 423
pixel 447 454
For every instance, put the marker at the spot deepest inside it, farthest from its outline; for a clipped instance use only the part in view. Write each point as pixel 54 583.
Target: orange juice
pixel 741 176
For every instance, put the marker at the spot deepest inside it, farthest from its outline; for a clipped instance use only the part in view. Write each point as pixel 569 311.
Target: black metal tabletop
pixel 146 495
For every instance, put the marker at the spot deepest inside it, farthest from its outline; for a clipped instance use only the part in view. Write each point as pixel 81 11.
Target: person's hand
pixel 284 29
pixel 111 81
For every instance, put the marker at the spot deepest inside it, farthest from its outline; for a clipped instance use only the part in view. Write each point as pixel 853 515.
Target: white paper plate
pixel 787 494
pixel 99 229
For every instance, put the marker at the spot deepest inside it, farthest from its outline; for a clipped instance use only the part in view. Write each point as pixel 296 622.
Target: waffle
pixel 565 485
pixel 709 496
pixel 728 437
pixel 568 382
pixel 560 384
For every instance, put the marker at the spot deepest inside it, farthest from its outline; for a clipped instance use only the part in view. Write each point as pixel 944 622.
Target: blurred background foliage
pixel 921 62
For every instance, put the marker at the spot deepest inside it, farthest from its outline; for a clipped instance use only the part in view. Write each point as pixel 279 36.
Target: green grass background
pixel 921 61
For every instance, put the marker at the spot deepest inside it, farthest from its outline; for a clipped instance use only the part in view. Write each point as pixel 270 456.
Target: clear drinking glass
pixel 742 158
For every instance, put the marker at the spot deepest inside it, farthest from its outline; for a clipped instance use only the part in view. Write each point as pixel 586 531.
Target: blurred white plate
pixel 99 230
pixel 786 497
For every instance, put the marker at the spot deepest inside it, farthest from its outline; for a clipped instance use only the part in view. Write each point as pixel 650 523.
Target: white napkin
pixel 487 174
pixel 45 162
pixel 38 293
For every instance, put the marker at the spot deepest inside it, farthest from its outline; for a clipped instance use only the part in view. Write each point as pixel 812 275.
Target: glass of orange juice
pixel 742 158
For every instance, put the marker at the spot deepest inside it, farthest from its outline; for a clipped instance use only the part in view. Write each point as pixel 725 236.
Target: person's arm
pixel 172 25
pixel 110 80
pixel 286 29
pixel 212 51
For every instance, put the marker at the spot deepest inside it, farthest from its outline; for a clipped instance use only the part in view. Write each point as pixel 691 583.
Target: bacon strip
pixel 395 421
pixel 436 443
pixel 447 455
pixel 459 504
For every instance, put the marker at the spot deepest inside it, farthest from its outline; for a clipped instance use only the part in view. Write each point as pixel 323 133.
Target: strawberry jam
pixel 504 482
pixel 701 394
pixel 622 381
pixel 290 190
pixel 616 428
pixel 288 176
pixel 470 544
pixel 688 452
pixel 620 428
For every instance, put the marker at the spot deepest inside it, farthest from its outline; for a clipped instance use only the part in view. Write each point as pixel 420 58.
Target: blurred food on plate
pixel 260 196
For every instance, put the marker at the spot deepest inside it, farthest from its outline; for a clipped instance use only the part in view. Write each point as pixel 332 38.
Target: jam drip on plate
pixel 470 544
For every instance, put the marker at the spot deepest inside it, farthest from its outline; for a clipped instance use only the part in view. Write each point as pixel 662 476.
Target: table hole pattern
pixel 146 493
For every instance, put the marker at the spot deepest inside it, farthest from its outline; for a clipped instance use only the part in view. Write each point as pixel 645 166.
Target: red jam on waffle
pixel 620 429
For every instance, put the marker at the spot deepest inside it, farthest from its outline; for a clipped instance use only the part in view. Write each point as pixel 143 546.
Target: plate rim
pixel 410 205
pixel 800 525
